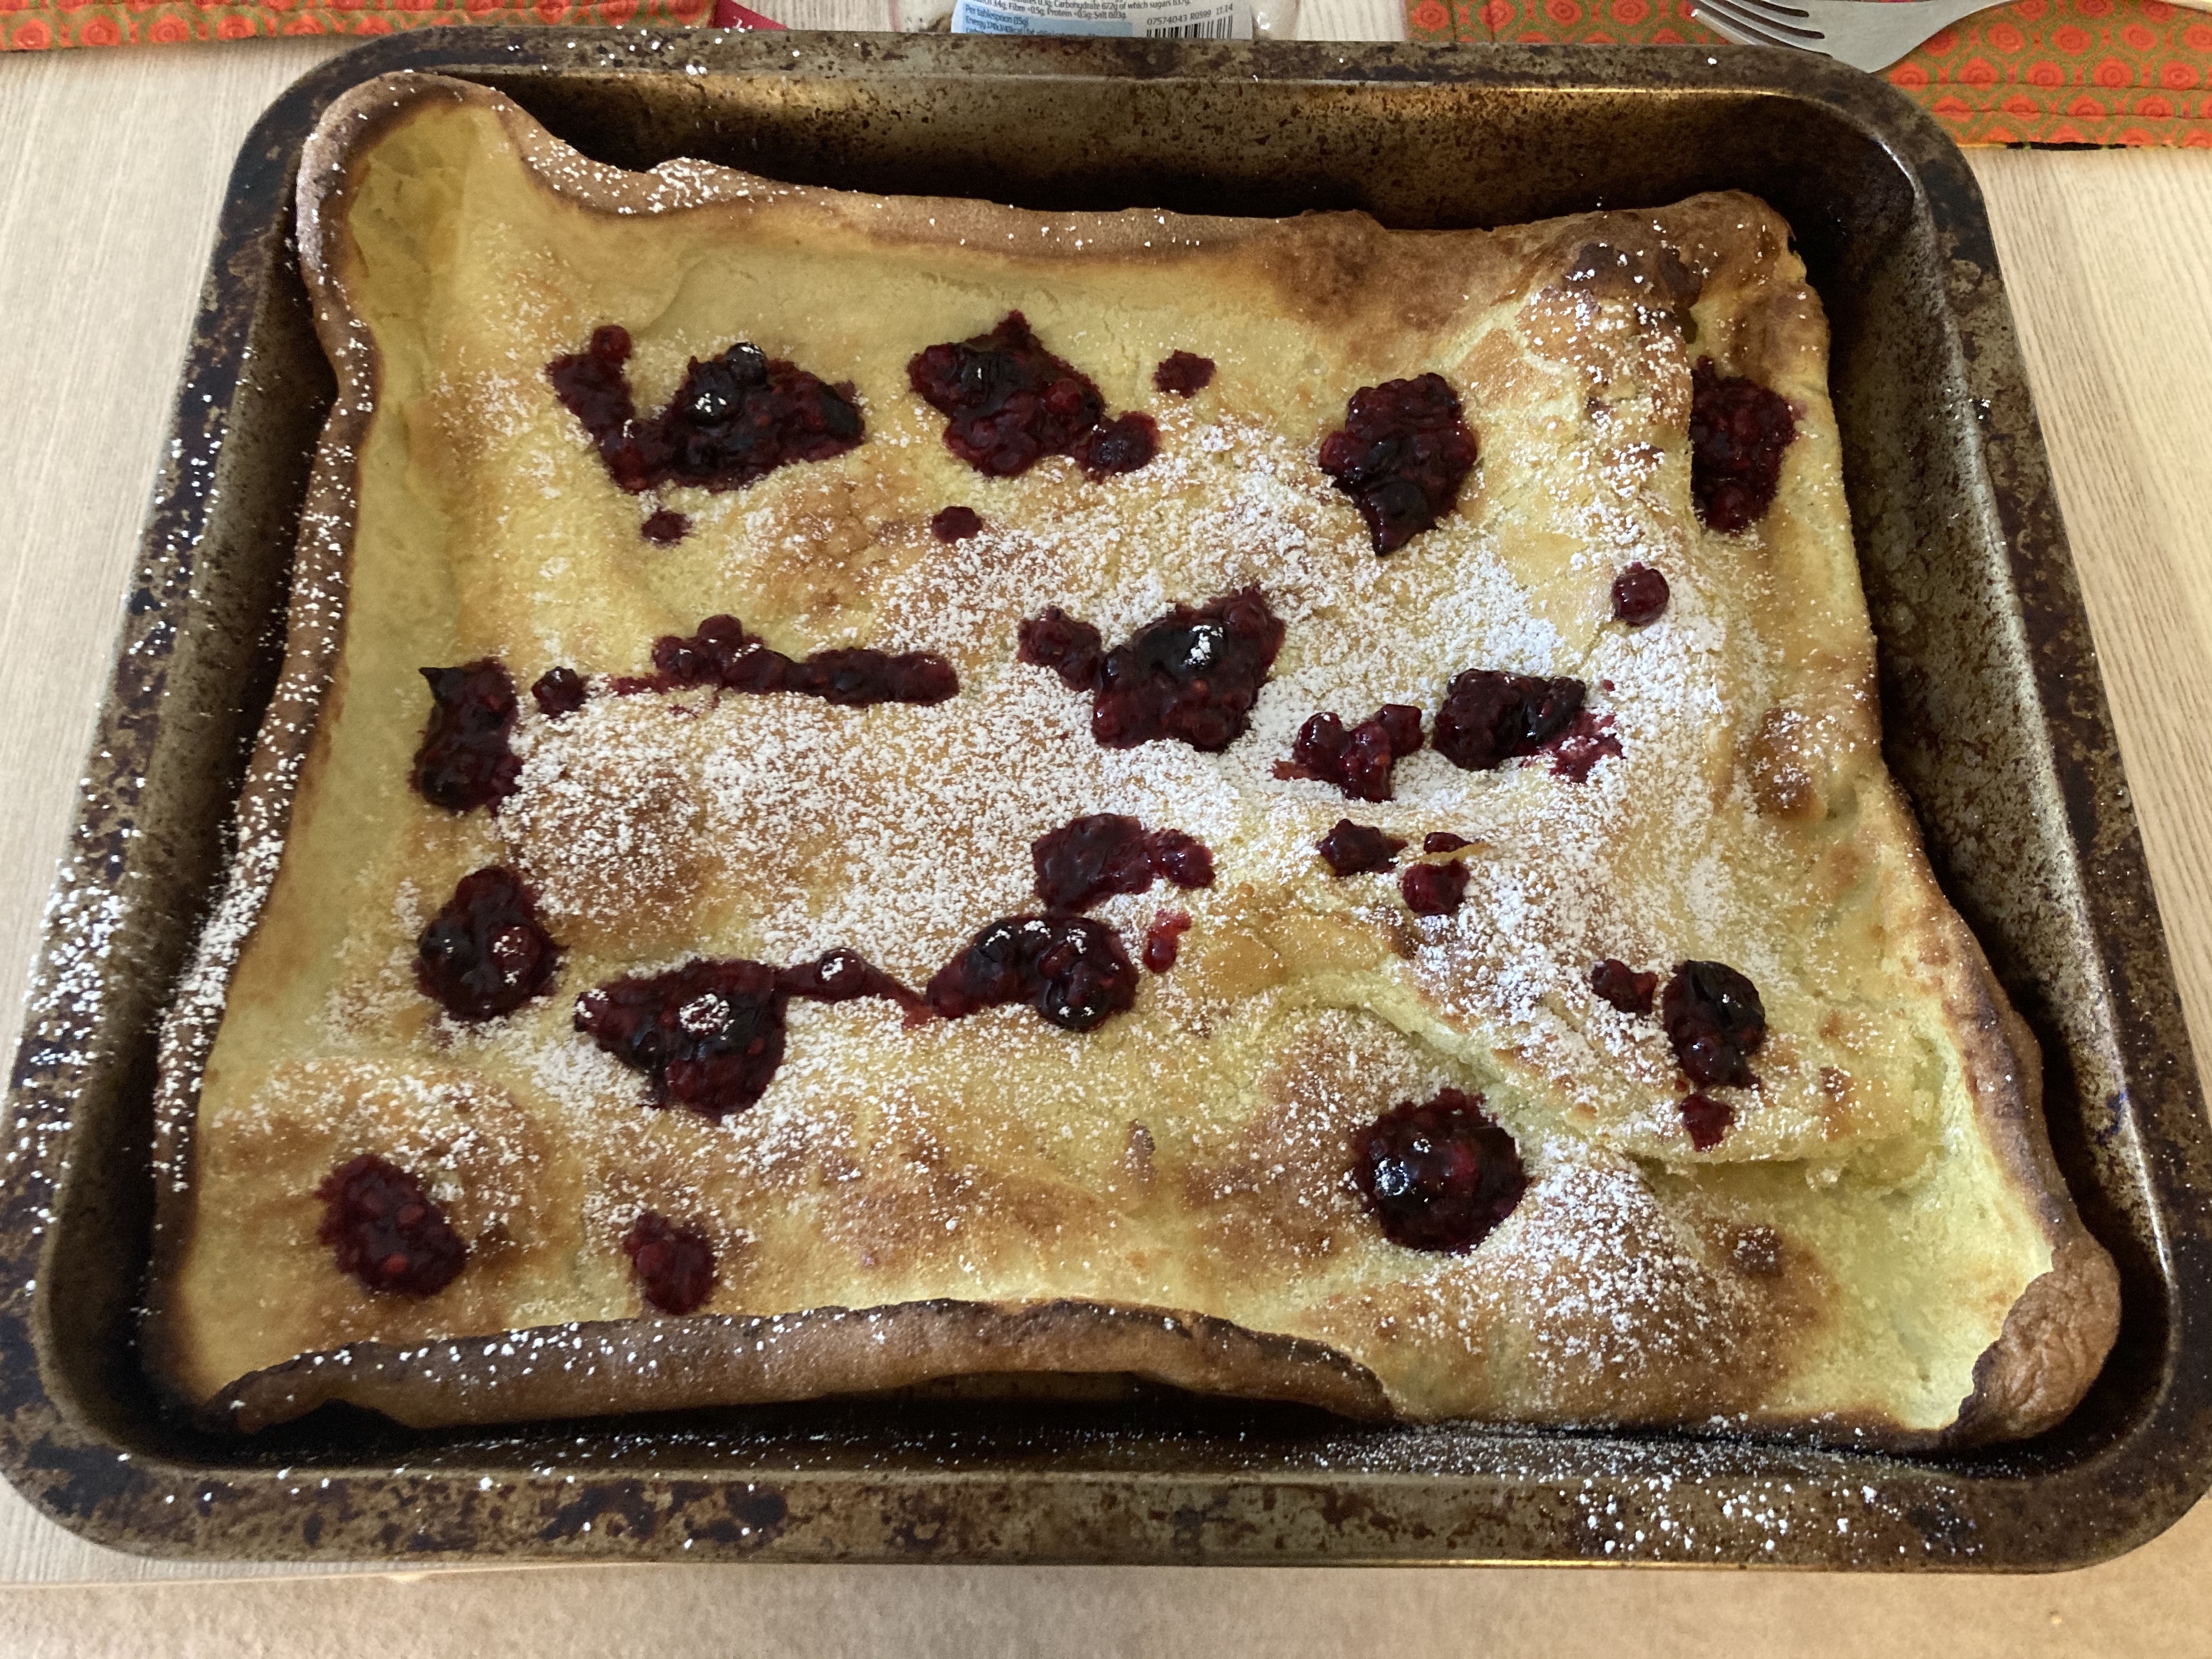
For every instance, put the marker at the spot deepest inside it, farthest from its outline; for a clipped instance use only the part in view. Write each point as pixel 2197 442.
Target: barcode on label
pixel 1211 28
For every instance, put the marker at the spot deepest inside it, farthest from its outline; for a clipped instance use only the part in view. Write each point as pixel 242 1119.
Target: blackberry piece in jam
pixel 1357 762
pixel 1009 402
pixel 1714 1021
pixel 1738 430
pixel 560 692
pixel 1358 849
pixel 1163 939
pixel 1433 889
pixel 675 1267
pixel 707 1035
pixel 1489 717
pixel 665 528
pixel 484 954
pixel 1442 841
pixel 955 524
pixel 1706 1119
pixel 1437 1176
pixel 464 761
pixel 1402 455
pixel 1184 374
pixel 721 653
pixel 1191 675
pixel 1120 445
pixel 1106 853
pixel 1588 739
pixel 1073 970
pixel 386 1229
pixel 1623 987
pixel 1639 595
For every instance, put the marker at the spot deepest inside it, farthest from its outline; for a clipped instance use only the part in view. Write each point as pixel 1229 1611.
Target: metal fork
pixel 1867 35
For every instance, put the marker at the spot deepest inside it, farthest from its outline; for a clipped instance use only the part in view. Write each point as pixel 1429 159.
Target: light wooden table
pixel 112 168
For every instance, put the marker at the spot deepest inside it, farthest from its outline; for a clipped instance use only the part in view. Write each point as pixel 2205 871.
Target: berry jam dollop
pixel 1402 455
pixel 1357 762
pixel 1437 1176
pixel 1433 889
pixel 955 524
pixel 721 653
pixel 1489 717
pixel 559 692
pixel 385 1230
pixel 485 954
pixel 734 419
pixel 1191 675
pixel 1106 853
pixel 1073 970
pixel 1714 1021
pixel 1009 402
pixel 1588 739
pixel 665 528
pixel 1706 1119
pixel 675 1267
pixel 464 761
pixel 1163 939
pixel 1358 849
pixel 1185 373
pixel 1623 987
pixel 1639 595
pixel 1738 430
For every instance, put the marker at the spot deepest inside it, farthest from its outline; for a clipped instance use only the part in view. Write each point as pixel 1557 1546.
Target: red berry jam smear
pixel 1358 849
pixel 675 1267
pixel 484 955
pixel 735 419
pixel 1191 675
pixel 1639 595
pixel 1185 373
pixel 1357 762
pixel 1008 403
pixel 1716 1022
pixel 1163 939
pixel 1401 456
pixel 665 528
pixel 1588 739
pixel 464 762
pixel 721 653
pixel 841 975
pixel 1439 1176
pixel 955 524
pixel 1433 889
pixel 1623 987
pixel 1489 717
pixel 1706 1119
pixel 1442 841
pixel 385 1230
pixel 1738 430
pixel 1073 970
pixel 1092 858
pixel 560 692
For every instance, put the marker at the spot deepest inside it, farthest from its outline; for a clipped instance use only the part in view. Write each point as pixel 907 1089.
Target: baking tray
pixel 1994 713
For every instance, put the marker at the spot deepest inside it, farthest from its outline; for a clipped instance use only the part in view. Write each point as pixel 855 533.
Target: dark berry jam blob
pixel 1092 858
pixel 1073 970
pixel 1402 456
pixel 1433 889
pixel 1009 402
pixel 1439 1175
pixel 1490 717
pixel 841 975
pixel 1358 761
pixel 1184 374
pixel 707 1035
pixel 484 954
pixel 721 653
pixel 1191 675
pixel 675 1267
pixel 1183 859
pixel 1120 445
pixel 1639 595
pixel 1358 849
pixel 464 761
pixel 1163 939
pixel 559 692
pixel 385 1230
pixel 665 528
pixel 1716 1022
pixel 955 524
pixel 734 419
pixel 1588 739
pixel 1706 1119
pixel 1442 841
pixel 1738 430
pixel 1623 987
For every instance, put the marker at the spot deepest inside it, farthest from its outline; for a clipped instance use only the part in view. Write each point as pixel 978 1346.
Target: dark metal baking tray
pixel 1995 718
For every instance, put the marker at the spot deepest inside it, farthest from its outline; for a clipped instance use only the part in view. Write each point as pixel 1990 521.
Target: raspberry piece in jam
pixel 1490 717
pixel 1442 841
pixel 385 1230
pixel 1008 403
pixel 1357 762
pixel 1185 373
pixel 1706 1119
pixel 1623 987
pixel 1433 889
pixel 1073 970
pixel 734 419
pixel 464 761
pixel 1439 1176
pixel 675 1267
pixel 559 692
pixel 1639 595
pixel 1358 849
pixel 1191 675
pixel 721 653
pixel 1588 739
pixel 1402 455
pixel 485 954
pixel 1716 1022
pixel 665 528
pixel 1163 939
pixel 1106 853
pixel 955 524
pixel 1738 430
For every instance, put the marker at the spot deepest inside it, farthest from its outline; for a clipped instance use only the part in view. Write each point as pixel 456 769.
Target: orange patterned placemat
pixel 42 25
pixel 2035 71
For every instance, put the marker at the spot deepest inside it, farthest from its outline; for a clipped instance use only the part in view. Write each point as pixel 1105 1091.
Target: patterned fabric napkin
pixel 2035 71
pixel 42 25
